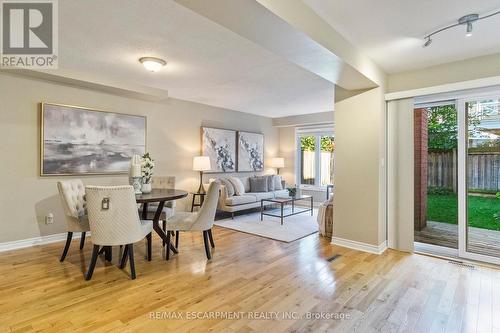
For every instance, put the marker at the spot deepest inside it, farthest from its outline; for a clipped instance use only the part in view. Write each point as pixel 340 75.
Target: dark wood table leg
pixel 192 203
pixel 145 211
pixel 311 206
pixel 157 228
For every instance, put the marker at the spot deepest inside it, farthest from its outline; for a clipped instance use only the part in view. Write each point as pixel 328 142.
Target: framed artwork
pixel 250 151
pixel 220 146
pixel 82 141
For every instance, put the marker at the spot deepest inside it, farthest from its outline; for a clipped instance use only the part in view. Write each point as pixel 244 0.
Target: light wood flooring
pixel 393 292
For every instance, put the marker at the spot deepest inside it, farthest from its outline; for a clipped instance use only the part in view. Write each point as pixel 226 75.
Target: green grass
pixel 444 208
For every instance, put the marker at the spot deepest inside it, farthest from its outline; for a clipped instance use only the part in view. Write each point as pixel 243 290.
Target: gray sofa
pixel 248 200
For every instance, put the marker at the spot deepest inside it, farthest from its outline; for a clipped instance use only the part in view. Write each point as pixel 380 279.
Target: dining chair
pixel 72 194
pixel 114 220
pixel 167 182
pixel 202 220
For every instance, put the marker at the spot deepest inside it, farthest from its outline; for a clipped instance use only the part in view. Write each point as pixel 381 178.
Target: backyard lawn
pixel 443 208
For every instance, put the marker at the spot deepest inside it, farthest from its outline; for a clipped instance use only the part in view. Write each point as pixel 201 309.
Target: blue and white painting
pixel 84 141
pixel 250 151
pixel 220 146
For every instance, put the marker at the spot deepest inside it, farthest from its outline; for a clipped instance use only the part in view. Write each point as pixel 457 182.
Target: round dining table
pixel 159 196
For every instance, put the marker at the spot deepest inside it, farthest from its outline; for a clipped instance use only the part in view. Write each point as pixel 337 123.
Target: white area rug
pixel 293 228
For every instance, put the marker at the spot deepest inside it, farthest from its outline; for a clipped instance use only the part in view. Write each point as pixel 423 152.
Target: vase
pixel 146 188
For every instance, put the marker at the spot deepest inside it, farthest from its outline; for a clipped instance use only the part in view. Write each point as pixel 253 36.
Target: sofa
pixel 231 203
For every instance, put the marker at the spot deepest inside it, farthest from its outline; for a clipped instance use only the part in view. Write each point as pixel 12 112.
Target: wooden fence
pixel 483 169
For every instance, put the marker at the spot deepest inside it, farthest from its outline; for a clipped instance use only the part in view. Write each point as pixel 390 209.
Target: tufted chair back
pixel 72 194
pixel 206 215
pixel 117 224
pixel 166 182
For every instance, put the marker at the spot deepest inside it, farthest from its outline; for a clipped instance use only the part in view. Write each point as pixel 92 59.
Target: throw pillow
pixel 277 183
pixel 270 183
pixel 229 186
pixel 239 189
pixel 258 184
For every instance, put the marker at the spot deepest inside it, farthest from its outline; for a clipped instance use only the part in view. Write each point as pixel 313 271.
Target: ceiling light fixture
pixel 152 64
pixel 464 20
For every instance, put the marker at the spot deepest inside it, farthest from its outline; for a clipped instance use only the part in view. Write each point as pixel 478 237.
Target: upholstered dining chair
pixel 114 220
pixel 167 182
pixel 202 220
pixel 72 194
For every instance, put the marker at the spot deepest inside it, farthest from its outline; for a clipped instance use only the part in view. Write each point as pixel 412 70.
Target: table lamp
pixel 277 162
pixel 201 163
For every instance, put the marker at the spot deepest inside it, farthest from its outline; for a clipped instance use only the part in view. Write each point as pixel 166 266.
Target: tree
pixel 442 126
pixel 308 143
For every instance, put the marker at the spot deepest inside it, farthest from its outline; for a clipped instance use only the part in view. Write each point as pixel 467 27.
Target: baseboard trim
pixel 360 246
pixel 41 240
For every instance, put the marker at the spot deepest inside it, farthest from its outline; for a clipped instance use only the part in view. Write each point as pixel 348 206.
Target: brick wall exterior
pixel 420 167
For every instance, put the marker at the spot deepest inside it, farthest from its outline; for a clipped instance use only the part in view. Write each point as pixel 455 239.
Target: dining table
pixel 159 196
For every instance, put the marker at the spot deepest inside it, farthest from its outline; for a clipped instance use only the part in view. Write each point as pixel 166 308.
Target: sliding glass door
pixel 479 178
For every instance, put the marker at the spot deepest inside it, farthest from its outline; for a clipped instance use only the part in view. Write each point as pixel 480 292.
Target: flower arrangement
pixel 147 168
pixel 292 191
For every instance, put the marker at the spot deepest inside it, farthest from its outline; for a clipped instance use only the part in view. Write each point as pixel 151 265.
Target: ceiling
pixel 391 31
pixel 207 63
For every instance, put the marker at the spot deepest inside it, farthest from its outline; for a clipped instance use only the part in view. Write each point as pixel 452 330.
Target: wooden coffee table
pixel 285 201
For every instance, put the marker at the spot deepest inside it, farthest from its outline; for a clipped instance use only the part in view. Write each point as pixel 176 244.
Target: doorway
pixel 457 176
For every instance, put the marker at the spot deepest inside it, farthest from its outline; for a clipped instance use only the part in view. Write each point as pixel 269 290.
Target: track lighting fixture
pixel 466 20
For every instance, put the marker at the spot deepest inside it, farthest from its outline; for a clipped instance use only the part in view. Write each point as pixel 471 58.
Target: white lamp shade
pixel 201 163
pixel 277 162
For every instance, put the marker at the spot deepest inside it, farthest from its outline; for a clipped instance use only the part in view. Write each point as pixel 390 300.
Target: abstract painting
pixel 250 151
pixel 220 146
pixel 78 141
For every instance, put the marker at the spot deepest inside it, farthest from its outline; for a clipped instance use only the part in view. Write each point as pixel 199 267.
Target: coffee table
pixel 283 202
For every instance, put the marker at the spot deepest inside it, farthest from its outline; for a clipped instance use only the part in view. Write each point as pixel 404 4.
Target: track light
pixel 469 29
pixel 466 20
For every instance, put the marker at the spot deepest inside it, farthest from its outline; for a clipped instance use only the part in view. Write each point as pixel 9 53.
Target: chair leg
pixel 211 237
pixel 90 271
pixel 82 240
pixel 167 248
pixel 123 262
pixel 131 259
pixel 108 253
pixel 66 247
pixel 177 239
pixel 207 247
pixel 164 230
pixel 149 241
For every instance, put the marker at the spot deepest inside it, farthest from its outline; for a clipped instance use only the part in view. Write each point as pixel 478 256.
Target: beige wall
pixel 470 69
pixel 359 177
pixel 173 139
pixel 400 164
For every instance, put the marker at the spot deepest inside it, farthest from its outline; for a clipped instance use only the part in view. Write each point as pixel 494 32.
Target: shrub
pixel 439 190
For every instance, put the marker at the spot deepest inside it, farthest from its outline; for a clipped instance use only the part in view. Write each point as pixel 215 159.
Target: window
pixel 315 157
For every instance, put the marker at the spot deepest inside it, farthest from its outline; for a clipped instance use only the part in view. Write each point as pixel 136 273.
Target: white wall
pixel 173 138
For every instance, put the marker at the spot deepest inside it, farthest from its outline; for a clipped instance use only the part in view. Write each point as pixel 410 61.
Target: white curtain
pixel 400 174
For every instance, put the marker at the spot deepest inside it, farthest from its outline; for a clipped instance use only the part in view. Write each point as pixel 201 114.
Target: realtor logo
pixel 29 34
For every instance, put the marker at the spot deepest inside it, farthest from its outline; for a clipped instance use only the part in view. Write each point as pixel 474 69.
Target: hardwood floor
pixel 248 275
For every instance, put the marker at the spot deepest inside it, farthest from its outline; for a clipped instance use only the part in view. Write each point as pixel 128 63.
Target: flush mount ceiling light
pixel 466 20
pixel 152 64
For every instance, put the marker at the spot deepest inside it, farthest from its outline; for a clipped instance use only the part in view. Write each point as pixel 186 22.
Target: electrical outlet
pixel 49 218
